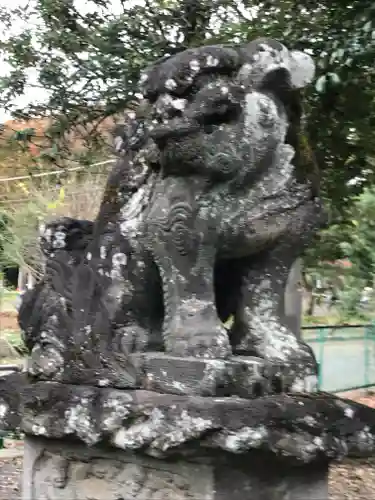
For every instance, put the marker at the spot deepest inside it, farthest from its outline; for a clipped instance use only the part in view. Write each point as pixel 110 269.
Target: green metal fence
pixel 346 355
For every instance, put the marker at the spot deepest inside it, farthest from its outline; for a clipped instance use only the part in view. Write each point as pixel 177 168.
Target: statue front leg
pixel 184 251
pixel 260 328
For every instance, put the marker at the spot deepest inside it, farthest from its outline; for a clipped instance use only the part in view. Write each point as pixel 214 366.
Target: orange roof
pixel 340 263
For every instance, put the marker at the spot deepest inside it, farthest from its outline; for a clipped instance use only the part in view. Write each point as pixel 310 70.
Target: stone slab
pixel 243 376
pixel 62 470
pixel 298 428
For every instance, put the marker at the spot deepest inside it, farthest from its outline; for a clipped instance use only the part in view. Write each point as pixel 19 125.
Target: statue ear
pixel 267 58
pixel 301 68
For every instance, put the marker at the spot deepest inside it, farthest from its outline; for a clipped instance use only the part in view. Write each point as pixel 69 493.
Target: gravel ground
pixel 10 477
pixel 351 480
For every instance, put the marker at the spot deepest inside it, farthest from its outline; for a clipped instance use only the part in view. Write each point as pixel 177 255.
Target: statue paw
pixel 297 362
pixel 44 361
pixel 291 353
pixel 288 360
pixel 205 341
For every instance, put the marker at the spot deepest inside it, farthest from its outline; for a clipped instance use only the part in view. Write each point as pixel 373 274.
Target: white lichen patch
pixel 244 439
pixel 170 84
pixel 103 252
pixel 104 382
pixel 116 410
pixel 38 429
pixel 179 386
pixel 310 420
pixel 298 385
pixel 59 240
pixel 319 442
pixel 307 383
pixel 194 65
pixel 87 329
pixel 140 434
pixel 182 428
pixel 214 371
pixel 212 61
pixel 275 181
pixel 78 421
pixel 179 104
pixel 131 213
pixel 349 412
pixel 3 410
pixel 119 261
pixel 42 229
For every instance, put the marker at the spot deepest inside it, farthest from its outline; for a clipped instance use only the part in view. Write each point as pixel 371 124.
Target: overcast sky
pixel 4 68
pixel 35 94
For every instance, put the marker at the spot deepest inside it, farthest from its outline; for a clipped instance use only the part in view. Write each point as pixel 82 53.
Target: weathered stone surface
pixel 159 328
pixel 210 204
pixel 296 428
pixel 242 376
pixel 57 471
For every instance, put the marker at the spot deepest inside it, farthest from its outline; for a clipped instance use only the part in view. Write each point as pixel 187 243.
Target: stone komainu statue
pixel 213 199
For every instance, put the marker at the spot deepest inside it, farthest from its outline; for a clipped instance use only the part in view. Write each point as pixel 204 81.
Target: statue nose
pixel 168 107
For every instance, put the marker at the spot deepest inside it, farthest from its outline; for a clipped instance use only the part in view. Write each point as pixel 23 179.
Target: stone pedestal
pixel 92 443
pixel 55 470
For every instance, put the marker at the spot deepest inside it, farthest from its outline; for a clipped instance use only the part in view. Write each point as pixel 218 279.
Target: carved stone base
pixel 298 428
pixel 55 470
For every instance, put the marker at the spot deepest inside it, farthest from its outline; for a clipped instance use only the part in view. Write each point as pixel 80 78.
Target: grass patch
pixel 335 319
pixel 8 300
pixel 14 338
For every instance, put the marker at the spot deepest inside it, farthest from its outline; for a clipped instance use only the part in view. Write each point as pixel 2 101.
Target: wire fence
pixel 22 189
pixel 346 355
pixel 61 171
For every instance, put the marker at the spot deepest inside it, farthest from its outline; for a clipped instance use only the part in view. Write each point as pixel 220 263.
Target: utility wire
pixel 54 172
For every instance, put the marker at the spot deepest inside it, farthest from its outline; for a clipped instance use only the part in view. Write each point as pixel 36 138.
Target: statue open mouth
pixel 173 129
